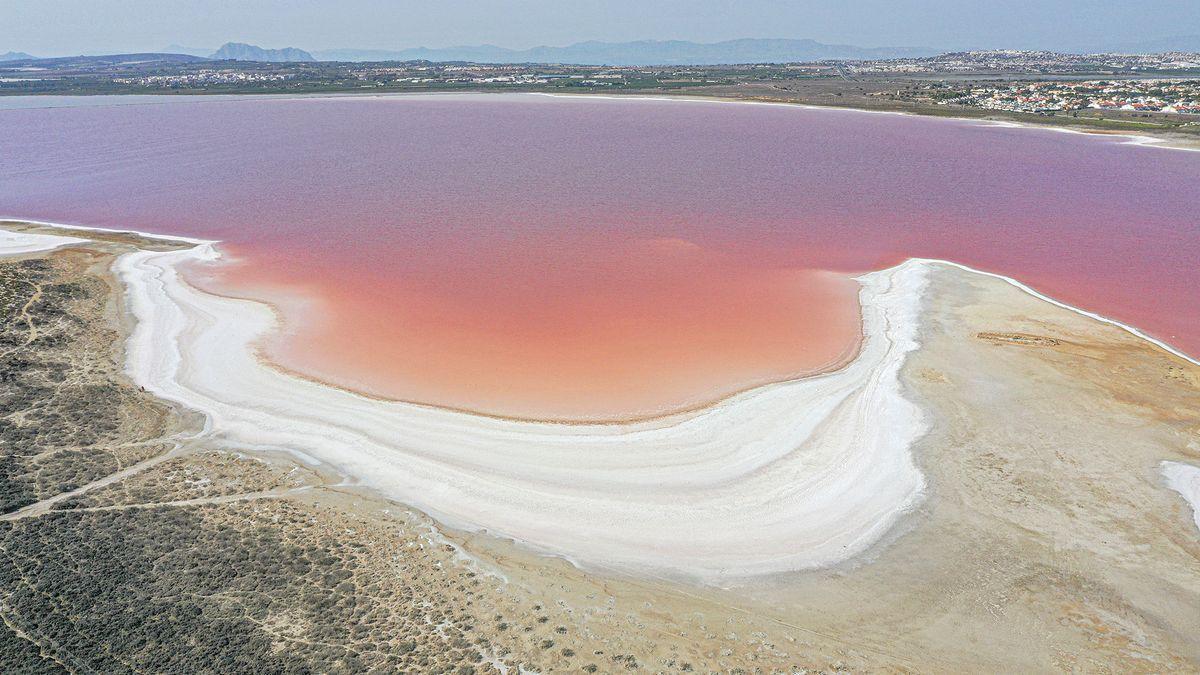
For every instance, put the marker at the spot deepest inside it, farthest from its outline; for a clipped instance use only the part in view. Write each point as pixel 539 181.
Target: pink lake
pixel 592 258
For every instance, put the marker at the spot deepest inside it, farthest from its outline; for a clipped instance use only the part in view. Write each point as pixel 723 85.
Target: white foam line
pixel 788 476
pixel 1184 479
pixel 1091 315
pixel 1133 138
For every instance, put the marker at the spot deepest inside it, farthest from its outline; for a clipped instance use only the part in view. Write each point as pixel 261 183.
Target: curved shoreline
pixel 1162 344
pixel 670 412
pixel 742 488
pixel 1091 315
pixel 1045 508
pixel 667 411
pixel 784 477
pixel 1185 479
pixel 788 476
pixel 19 243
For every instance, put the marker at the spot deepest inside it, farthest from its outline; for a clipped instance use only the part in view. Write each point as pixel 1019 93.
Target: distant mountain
pixel 239 51
pixel 644 52
pixel 16 56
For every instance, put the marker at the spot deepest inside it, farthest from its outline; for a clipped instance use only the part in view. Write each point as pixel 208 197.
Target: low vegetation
pixel 207 560
pixel 67 417
pixel 131 544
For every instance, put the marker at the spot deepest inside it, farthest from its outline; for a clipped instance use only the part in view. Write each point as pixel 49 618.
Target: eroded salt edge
pixel 1184 479
pixel 19 243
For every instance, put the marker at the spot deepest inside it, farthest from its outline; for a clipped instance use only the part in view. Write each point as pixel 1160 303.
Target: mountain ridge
pixel 240 51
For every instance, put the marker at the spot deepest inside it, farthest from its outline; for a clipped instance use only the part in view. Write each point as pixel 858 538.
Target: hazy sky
pixel 56 27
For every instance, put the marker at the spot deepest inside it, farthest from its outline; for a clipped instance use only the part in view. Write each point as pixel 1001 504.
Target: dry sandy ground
pixel 1047 540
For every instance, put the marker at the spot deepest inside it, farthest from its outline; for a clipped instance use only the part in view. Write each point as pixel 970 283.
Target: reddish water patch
pixel 549 257
pixel 609 329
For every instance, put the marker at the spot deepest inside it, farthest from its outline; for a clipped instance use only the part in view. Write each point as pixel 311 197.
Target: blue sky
pixel 55 27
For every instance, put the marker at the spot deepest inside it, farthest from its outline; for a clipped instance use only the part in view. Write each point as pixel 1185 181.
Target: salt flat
pixel 784 477
pixel 17 243
pixel 1185 479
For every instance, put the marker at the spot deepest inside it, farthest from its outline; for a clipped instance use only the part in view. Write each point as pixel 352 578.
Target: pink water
pixel 543 257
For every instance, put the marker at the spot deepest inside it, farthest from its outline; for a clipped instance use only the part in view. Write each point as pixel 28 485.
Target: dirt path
pixel 46 505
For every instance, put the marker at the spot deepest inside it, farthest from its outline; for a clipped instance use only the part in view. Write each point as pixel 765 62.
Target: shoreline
pixel 673 411
pixel 1184 479
pixel 1138 139
pixel 1045 514
pixel 1134 330
pixel 679 411
pixel 480 474
pixel 408 452
pixel 711 471
pixel 1134 138
pixel 20 243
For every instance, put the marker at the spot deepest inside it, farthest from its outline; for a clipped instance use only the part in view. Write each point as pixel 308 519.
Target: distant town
pixel 1029 62
pixel 1153 95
